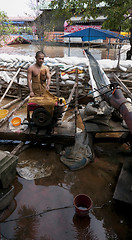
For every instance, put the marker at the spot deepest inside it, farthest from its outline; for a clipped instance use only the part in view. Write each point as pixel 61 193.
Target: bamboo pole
pixel 70 98
pixel 2 121
pixel 126 90
pixel 57 82
pixel 76 100
pixel 11 82
pixel 11 69
pixel 10 103
pixel 17 148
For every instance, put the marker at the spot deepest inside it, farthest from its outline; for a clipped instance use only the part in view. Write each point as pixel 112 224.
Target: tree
pixel 118 12
pixel 43 21
pixel 6 28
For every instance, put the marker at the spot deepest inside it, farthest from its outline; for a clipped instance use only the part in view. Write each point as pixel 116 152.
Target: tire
pixel 41 117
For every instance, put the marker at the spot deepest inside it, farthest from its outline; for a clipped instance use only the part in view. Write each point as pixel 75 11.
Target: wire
pixel 38 214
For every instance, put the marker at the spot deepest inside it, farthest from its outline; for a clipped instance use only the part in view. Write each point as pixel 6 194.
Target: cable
pixel 38 214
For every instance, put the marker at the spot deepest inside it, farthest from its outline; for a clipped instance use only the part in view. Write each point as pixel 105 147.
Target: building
pixel 78 23
pixel 23 24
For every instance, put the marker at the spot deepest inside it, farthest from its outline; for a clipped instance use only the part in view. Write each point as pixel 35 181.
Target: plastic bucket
pixel 16 121
pixel 82 205
pixel 3 113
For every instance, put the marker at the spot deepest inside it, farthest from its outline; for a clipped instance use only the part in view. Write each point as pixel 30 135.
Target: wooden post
pixel 57 82
pixel 76 100
pixel 19 87
pixel 69 47
pixel 69 99
pixel 119 55
pixel 108 49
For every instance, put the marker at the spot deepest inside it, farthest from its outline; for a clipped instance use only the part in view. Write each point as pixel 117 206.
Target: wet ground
pixel 43 208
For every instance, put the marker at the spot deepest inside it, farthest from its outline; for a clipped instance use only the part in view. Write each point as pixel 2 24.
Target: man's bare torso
pixel 35 70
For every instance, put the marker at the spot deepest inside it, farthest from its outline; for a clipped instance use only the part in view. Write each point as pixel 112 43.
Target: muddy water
pixel 43 208
pixel 59 51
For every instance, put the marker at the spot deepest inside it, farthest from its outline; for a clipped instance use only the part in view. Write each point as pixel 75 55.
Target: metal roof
pixel 90 34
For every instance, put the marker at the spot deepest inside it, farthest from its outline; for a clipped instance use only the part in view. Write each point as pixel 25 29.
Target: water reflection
pixel 58 191
pixel 82 226
pixel 24 224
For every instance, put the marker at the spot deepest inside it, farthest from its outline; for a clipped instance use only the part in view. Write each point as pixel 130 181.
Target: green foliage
pixel 6 28
pixel 116 11
pixel 118 14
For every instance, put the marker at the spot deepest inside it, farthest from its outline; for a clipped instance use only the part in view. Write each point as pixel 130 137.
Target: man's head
pixel 39 58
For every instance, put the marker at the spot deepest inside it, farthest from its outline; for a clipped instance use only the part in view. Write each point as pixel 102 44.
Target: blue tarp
pixel 14 22
pixel 90 34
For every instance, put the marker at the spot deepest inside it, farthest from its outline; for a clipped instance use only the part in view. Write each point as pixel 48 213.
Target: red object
pixel 75 28
pixel 32 106
pixel 82 204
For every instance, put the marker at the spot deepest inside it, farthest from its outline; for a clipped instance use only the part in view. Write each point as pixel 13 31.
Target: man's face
pixel 40 59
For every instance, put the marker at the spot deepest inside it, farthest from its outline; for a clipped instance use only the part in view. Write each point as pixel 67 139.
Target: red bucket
pixel 82 205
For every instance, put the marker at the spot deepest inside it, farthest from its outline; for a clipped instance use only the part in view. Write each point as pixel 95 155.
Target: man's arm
pixel 48 79
pixel 29 78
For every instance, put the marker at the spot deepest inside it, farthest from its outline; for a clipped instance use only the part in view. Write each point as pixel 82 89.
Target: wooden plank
pixel 92 127
pixel 64 133
pixel 17 148
pixel 123 191
pixel 65 129
pixel 126 81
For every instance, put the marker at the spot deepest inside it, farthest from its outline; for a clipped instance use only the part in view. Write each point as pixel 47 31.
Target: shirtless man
pixel 38 76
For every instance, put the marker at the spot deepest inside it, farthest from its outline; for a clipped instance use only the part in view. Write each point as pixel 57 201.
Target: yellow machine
pixel 45 111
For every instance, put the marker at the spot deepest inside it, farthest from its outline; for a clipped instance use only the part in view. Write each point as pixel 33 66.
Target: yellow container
pixel 3 113
pixel 16 121
pixel 61 99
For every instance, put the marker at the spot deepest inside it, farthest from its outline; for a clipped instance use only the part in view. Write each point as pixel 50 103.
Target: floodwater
pixel 59 51
pixel 43 208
